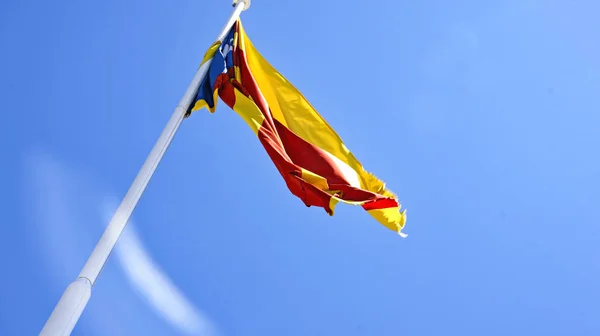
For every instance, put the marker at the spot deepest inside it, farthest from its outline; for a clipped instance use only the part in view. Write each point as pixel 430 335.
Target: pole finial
pixel 246 3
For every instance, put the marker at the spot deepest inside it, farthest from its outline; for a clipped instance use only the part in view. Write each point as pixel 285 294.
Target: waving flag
pixel 314 162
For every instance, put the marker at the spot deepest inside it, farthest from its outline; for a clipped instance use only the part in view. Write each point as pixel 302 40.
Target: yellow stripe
pixel 391 218
pixel 211 51
pixel 201 103
pixel 332 203
pixel 314 179
pixel 246 109
pixel 237 43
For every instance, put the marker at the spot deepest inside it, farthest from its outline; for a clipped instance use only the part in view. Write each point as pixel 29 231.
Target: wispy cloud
pixel 154 285
pixel 66 204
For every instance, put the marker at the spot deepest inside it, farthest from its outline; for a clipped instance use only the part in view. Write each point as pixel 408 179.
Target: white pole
pixel 73 301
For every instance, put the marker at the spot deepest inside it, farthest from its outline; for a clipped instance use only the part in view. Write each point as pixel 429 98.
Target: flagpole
pixel 69 308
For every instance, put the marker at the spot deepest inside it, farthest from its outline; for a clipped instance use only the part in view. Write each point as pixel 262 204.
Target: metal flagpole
pixel 73 301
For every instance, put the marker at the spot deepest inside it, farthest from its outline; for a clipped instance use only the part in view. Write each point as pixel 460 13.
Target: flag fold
pixel 310 156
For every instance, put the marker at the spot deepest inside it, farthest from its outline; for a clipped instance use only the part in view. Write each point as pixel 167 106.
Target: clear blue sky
pixel 483 116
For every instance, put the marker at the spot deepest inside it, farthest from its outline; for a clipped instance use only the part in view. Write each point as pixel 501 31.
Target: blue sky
pixel 481 116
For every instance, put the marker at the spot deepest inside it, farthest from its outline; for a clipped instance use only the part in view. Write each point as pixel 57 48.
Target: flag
pixel 310 156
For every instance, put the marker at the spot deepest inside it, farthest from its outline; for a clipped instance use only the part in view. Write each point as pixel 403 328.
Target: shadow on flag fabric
pixel 312 159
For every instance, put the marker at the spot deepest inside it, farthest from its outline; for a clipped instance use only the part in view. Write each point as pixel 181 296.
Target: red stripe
pixel 383 203
pixel 309 156
pixel 316 160
pixel 292 174
pixel 225 89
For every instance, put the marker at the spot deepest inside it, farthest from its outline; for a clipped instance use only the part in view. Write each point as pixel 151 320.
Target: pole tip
pixel 246 3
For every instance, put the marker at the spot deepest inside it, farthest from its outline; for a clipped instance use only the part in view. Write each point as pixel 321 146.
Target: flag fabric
pixel 312 159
